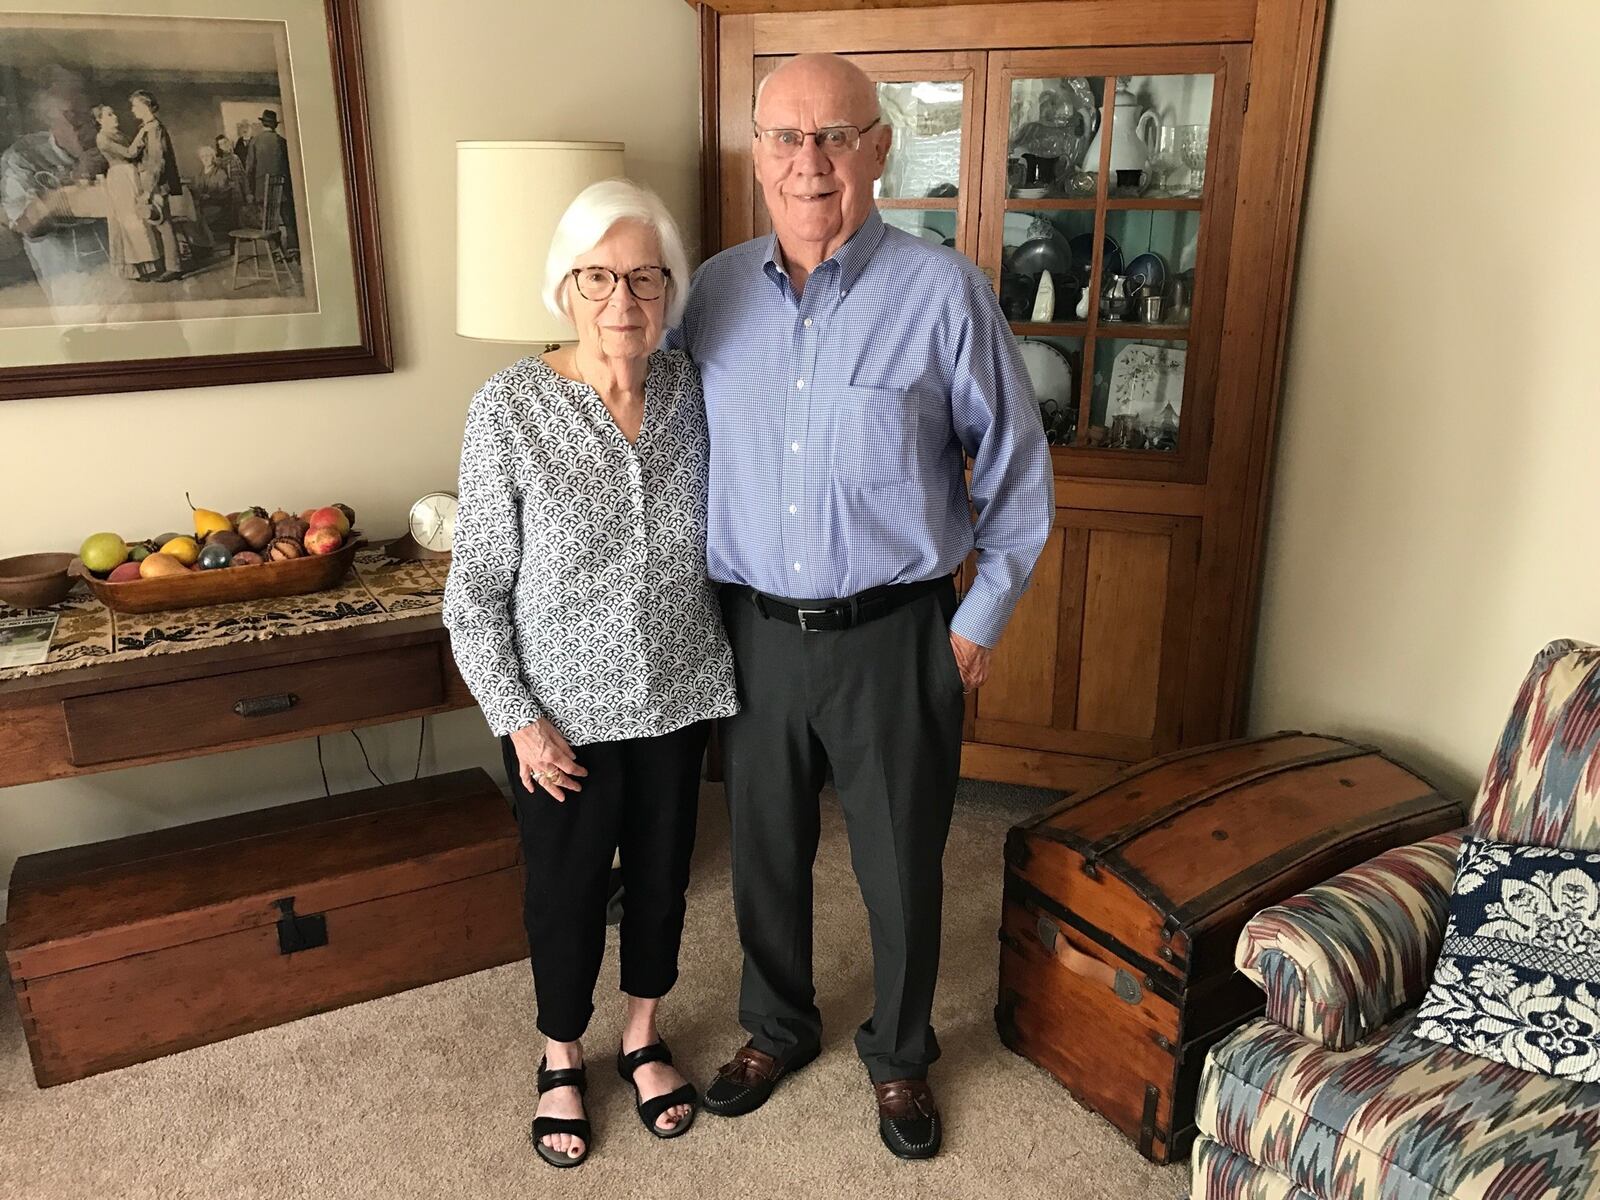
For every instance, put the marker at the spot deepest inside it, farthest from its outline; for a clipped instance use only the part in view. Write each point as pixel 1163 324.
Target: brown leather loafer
pixel 908 1118
pixel 743 1084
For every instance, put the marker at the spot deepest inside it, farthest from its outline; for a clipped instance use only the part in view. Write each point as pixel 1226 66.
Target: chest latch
pixel 297 932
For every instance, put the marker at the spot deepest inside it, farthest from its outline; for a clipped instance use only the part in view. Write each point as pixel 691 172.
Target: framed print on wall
pixel 186 196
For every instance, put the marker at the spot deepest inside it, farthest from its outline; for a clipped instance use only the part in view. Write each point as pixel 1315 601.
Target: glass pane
pixel 1158 249
pixel 1052 125
pixel 937 225
pixel 1137 402
pixel 1160 135
pixel 1035 243
pixel 1055 364
pixel 925 156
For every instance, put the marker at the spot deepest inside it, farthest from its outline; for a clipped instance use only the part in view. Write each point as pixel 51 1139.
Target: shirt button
pixel 808 322
pixel 797 566
pixel 800 383
pixel 795 446
pixel 792 508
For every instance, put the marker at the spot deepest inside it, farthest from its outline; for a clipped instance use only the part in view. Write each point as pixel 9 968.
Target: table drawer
pixel 242 706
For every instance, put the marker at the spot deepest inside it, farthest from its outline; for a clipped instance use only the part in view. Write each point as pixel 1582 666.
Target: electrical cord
pixel 416 771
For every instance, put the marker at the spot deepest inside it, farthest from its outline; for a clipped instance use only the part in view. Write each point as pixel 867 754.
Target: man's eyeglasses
pixel 834 141
pixel 597 283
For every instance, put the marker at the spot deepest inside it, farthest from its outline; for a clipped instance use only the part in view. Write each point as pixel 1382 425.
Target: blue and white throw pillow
pixel 1518 979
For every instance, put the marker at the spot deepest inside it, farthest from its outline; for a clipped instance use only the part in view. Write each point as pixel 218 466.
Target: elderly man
pixel 848 367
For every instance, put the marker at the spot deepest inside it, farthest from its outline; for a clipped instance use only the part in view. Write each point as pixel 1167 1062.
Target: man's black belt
pixel 821 616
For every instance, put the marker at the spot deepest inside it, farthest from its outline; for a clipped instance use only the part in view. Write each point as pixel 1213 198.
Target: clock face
pixel 433 521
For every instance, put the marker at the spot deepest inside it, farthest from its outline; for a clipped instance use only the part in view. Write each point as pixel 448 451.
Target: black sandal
pixel 650 1110
pixel 543 1127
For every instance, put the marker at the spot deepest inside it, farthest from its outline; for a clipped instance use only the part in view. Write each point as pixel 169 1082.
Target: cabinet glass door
pixel 1105 229
pixel 934 103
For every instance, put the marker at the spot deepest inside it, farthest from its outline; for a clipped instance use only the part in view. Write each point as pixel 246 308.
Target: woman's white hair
pixel 584 226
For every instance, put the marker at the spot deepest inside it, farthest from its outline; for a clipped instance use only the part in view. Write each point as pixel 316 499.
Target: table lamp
pixel 509 196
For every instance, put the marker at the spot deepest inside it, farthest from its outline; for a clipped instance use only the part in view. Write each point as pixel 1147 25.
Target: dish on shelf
pixel 1083 251
pixel 1043 254
pixel 1050 370
pixel 1147 270
pixel 1146 380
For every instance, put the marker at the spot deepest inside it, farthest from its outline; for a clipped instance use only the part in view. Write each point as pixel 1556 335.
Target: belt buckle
pixel 803 613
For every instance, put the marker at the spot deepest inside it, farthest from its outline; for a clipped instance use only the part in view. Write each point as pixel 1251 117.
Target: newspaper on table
pixel 25 640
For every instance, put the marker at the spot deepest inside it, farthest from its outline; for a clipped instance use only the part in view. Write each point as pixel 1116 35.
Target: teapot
pixel 1134 130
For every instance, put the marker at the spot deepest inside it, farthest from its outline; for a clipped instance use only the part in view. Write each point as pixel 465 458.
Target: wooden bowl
pixel 292 577
pixel 35 580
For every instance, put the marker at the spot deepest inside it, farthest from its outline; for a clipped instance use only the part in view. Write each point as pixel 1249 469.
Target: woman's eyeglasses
pixel 833 141
pixel 597 283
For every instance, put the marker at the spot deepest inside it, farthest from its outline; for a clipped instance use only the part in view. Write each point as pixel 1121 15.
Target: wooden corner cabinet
pixel 1146 158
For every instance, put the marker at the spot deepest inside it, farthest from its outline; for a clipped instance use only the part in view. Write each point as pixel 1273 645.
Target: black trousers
pixel 880 703
pixel 641 797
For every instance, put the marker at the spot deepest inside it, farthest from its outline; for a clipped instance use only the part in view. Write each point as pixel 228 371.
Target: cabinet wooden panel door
pixel 1093 662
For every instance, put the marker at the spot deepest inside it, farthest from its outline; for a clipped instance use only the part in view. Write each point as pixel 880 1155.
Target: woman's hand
pixel 543 756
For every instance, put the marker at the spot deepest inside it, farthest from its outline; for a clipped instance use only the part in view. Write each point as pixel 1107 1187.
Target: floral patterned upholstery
pixel 1542 787
pixel 1295 1106
pixel 1398 1118
pixel 1518 976
pixel 1337 961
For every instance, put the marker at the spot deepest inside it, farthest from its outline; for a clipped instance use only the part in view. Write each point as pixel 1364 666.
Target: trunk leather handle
pixel 1120 981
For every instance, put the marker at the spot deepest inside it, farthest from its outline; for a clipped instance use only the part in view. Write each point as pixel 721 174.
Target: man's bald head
pixel 822 75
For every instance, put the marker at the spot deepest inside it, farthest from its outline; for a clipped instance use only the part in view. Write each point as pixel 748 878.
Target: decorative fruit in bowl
pixel 214 557
pixel 103 552
pixel 159 564
pixel 323 539
pixel 303 554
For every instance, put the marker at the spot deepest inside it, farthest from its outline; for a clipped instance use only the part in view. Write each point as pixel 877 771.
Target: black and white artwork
pixel 150 170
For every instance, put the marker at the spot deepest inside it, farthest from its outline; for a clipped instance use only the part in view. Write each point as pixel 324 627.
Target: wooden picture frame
pixel 324 311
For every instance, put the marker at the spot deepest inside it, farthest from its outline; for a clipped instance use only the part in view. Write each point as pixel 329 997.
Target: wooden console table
pixel 226 697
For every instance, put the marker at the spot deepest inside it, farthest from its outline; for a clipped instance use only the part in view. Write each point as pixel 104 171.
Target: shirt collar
pixel 851 258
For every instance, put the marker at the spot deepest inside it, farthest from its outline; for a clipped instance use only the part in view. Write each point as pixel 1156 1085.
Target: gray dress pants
pixel 882 705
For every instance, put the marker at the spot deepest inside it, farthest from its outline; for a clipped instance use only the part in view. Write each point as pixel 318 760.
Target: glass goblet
pixel 1165 160
pixel 1193 142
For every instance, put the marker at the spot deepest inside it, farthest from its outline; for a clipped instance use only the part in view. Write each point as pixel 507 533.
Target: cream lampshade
pixel 509 196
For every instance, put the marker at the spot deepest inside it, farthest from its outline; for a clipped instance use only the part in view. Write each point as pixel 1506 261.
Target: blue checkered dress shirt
pixel 839 417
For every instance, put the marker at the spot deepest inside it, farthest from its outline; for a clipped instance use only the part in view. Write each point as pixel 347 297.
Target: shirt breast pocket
pixel 876 445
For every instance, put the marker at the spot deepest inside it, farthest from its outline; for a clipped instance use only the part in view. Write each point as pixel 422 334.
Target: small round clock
pixel 431 528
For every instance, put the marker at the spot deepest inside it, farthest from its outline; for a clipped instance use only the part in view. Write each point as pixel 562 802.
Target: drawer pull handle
pixel 265 706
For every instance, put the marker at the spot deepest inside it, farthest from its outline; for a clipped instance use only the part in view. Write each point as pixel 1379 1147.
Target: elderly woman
pixel 581 618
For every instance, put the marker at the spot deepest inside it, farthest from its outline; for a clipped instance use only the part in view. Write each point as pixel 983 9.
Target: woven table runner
pixel 375 589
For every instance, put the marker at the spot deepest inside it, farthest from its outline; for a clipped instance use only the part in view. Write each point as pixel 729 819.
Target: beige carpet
pixel 428 1093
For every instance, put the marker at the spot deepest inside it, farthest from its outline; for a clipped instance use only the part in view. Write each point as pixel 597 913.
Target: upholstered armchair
pixel 1332 1094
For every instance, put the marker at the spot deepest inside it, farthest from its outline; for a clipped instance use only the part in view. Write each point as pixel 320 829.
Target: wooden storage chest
pixel 127 950
pixel 1122 907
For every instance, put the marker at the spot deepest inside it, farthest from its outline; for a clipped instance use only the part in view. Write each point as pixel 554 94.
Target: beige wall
pixel 436 73
pixel 1434 521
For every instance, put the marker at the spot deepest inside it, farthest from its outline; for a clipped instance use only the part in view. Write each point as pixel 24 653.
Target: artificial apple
pixel 324 539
